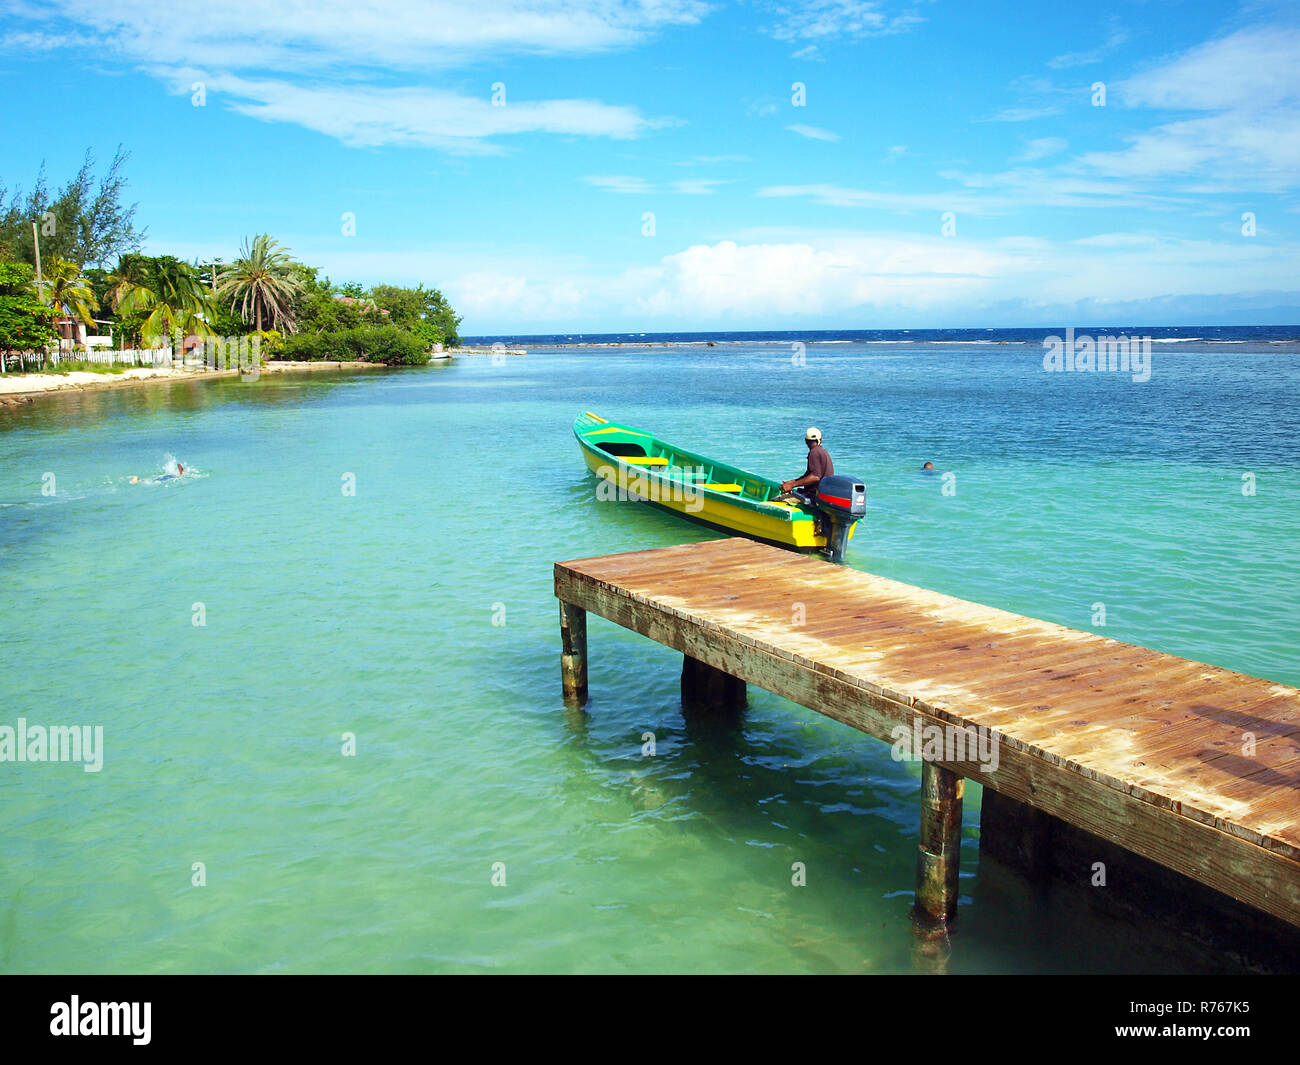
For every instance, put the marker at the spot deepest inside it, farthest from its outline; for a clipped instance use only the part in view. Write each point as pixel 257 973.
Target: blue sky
pixel 768 212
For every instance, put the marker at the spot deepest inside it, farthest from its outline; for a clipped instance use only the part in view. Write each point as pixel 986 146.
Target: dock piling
pixel 1137 748
pixel 940 848
pixel 573 653
pixel 706 688
pixel 938 858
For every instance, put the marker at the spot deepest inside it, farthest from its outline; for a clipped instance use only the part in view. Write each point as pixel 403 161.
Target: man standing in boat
pixel 804 488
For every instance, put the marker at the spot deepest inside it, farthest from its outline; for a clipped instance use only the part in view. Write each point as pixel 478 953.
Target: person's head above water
pixel 812 436
pixel 928 466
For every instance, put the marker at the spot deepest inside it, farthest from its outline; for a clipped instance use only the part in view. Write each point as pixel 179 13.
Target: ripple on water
pixel 371 616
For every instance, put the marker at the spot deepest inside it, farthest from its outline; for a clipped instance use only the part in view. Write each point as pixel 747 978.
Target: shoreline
pixel 21 388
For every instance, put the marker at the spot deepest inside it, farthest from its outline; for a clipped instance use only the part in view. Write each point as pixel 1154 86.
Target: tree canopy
pixel 262 285
pixel 26 324
pixel 85 222
pixel 86 225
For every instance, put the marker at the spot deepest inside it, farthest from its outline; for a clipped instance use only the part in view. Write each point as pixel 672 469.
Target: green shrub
pixel 271 343
pixel 366 343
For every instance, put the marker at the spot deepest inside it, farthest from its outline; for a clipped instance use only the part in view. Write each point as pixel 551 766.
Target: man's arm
pixel 801 482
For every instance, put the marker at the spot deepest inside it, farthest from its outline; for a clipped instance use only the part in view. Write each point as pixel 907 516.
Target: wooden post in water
pixel 573 654
pixel 939 852
pixel 707 688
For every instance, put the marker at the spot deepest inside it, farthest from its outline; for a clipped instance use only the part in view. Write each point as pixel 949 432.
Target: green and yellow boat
pixel 634 464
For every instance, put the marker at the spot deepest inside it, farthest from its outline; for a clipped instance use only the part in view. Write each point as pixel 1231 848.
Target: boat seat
pixel 722 487
pixel 644 460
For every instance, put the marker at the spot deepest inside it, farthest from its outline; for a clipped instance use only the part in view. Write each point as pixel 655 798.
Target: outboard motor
pixel 844 501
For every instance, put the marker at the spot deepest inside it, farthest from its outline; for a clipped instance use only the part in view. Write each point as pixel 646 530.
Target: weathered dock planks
pixel 1193 766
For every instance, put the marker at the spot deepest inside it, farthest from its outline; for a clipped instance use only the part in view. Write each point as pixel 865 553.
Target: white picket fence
pixel 158 357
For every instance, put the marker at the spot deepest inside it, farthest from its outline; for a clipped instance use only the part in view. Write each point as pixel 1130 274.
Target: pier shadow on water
pixel 764 777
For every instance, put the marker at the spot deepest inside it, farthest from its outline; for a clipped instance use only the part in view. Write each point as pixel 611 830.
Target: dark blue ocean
pixel 1184 334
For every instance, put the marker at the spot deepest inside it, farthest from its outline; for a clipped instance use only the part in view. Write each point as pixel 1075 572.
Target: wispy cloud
pixel 368 116
pixel 627 186
pixel 1038 98
pixel 883 199
pixel 1116 36
pixel 332 65
pixel 620 183
pixel 986 194
pixel 814 133
pixel 1040 148
pixel 1024 114
pixel 328 35
pixel 827 19
pixel 1247 136
pixel 697 186
pixel 713 160
pixel 1252 69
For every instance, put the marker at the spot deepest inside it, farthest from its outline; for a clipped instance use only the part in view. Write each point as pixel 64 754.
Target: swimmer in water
pixel 180 472
pixel 928 467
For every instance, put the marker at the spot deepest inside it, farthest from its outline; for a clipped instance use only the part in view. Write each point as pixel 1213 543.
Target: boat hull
pixel 680 485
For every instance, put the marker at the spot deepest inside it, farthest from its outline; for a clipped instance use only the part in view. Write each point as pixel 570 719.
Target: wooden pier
pixel 1189 765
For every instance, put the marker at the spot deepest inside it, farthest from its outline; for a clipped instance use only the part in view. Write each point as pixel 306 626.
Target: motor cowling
pixel 843 497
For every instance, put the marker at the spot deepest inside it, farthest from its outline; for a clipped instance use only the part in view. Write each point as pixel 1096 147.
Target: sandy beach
pixel 18 388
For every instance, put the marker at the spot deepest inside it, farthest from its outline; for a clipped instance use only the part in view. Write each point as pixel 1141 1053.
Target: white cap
pixel 813 434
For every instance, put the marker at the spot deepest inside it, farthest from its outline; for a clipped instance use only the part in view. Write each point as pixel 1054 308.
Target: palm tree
pixel 69 293
pixel 169 291
pixel 262 284
pixel 132 270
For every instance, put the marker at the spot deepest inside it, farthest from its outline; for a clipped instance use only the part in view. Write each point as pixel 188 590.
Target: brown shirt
pixel 819 463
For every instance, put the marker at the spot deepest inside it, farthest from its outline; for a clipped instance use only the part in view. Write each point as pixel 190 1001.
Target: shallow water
pixel 373 614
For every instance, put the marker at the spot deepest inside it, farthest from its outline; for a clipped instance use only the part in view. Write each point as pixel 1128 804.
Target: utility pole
pixel 40 294
pixel 36 240
pixel 214 265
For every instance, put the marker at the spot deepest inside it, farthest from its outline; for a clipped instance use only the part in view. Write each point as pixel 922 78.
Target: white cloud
pixel 312 35
pixel 814 133
pixel 1116 37
pixel 331 65
pixel 805 277
pixel 370 115
pixel 1247 86
pixel 796 277
pixel 620 183
pixel 1024 114
pixel 1040 148
pixel 828 19
pixel 879 199
pixel 697 186
pixel 1251 69
pixel 1256 151
pixel 983 194
pixel 713 160
pixel 625 185
pixel 809 53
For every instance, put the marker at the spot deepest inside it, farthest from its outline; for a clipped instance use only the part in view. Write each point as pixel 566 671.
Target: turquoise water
pixel 373 614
